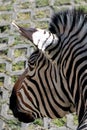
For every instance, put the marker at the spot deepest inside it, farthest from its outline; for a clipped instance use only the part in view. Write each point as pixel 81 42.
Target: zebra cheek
pixel 22 116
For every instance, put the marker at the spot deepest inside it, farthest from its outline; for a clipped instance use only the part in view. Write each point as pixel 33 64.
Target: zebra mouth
pixel 22 116
pixel 27 33
pixel 26 118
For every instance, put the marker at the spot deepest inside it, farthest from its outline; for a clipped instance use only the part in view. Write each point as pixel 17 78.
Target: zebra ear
pixel 27 33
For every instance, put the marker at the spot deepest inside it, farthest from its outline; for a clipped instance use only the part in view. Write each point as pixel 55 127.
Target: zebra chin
pixel 21 116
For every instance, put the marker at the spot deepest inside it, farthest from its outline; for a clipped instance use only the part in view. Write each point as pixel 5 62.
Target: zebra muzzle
pixel 27 33
pixel 22 116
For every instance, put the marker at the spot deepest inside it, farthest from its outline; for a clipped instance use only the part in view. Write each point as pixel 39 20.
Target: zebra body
pixel 55 82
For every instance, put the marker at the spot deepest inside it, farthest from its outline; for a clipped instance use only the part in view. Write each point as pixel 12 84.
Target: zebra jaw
pixel 27 33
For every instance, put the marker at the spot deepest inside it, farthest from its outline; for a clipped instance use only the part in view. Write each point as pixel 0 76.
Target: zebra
pixel 55 82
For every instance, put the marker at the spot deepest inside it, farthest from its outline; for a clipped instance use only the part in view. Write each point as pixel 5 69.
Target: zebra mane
pixel 62 19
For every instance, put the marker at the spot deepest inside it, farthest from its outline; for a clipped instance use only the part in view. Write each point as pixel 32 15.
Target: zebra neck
pixel 53 51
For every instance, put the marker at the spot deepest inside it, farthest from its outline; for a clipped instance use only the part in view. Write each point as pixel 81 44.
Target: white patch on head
pixel 42 38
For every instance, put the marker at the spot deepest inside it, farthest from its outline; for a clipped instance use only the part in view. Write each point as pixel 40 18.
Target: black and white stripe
pixel 55 82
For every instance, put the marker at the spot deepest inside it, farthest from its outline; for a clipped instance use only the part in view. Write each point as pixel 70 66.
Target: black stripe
pixel 56 54
pixel 82 127
pixel 65 22
pixel 73 55
pixel 75 70
pixel 41 95
pixel 64 89
pixel 51 45
pixel 85 93
pixel 58 94
pixel 83 77
pixel 25 103
pixel 33 93
pixel 46 40
pixel 46 93
pixel 73 35
pixel 59 105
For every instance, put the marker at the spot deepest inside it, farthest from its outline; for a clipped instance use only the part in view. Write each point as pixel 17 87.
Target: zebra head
pixel 15 105
pixel 54 87
pixel 39 37
pixel 30 95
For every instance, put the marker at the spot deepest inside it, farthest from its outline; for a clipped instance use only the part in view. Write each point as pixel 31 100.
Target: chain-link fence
pixel 15 50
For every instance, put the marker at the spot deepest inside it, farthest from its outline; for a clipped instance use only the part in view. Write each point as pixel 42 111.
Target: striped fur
pixel 55 82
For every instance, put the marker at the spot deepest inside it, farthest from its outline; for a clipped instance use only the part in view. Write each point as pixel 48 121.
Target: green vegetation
pixel 20 40
pixel 31 127
pixel 12 1
pixel 75 119
pixel 18 66
pixel 13 124
pixel 42 24
pixel 7 7
pixel 20 52
pixel 1 81
pixel 24 16
pixel 2 67
pixel 60 122
pixel 25 5
pixel 4 40
pixel 14 79
pixel 26 25
pixel 3 52
pixel 40 3
pixel 17 40
pixel 5 17
pixel 80 1
pixel 62 2
pixel 83 7
pixel 42 14
pixel 38 122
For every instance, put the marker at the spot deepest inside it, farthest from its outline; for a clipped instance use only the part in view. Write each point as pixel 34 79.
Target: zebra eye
pixel 31 67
